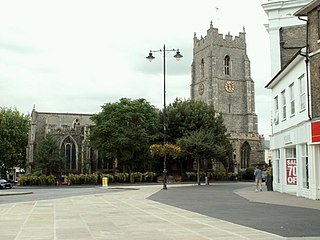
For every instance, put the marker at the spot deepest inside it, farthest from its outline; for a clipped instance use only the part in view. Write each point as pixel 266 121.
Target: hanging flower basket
pixel 160 150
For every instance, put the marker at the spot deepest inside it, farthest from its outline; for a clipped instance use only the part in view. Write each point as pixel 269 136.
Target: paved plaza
pixel 138 212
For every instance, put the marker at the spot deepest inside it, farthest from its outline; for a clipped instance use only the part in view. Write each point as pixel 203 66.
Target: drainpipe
pixel 307 64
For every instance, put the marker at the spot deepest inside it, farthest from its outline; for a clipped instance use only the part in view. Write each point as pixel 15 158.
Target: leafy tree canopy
pixel 14 127
pixel 199 130
pixel 198 143
pixel 125 130
pixel 203 144
pixel 190 115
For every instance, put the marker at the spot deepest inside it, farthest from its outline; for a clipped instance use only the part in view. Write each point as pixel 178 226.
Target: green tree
pixel 197 145
pixel 203 144
pixel 224 147
pixel 190 115
pixel 14 127
pixel 201 128
pixel 124 131
pixel 47 156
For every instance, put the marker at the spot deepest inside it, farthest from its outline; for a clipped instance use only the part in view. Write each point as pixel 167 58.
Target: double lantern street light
pixel 150 57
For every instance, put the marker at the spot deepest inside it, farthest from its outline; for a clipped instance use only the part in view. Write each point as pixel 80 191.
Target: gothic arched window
pixel 227 65
pixel 245 155
pixel 69 153
pixel 202 68
pixel 76 122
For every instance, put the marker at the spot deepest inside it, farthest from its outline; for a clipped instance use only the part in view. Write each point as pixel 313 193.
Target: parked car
pixel 5 184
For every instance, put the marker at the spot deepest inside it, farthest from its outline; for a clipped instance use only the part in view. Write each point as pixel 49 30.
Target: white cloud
pixel 76 55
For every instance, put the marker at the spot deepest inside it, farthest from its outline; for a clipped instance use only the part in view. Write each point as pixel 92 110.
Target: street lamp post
pixel 150 57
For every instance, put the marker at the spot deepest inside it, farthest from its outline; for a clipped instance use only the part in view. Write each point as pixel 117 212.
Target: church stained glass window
pixel 69 152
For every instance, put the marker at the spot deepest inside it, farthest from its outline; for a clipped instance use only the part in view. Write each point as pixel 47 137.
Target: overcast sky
pixel 75 55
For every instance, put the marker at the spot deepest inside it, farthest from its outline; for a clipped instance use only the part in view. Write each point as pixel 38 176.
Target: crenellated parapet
pixel 213 37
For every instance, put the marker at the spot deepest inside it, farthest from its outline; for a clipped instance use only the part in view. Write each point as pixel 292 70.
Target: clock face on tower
pixel 229 87
pixel 201 88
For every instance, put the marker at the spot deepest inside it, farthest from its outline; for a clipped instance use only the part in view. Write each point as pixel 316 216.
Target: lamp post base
pixel 164 180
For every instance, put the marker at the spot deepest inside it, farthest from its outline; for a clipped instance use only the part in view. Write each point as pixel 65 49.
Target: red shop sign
pixel 291 165
pixel 315 131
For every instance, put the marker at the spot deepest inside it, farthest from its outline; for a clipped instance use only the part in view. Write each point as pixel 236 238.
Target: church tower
pixel 221 76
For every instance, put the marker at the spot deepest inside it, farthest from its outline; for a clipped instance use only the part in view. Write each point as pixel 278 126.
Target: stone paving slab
pixel 116 215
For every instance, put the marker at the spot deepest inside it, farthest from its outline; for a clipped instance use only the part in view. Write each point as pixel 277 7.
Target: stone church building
pixel 221 76
pixel 72 134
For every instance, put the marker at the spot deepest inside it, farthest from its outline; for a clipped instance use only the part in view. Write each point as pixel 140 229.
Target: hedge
pixel 136 177
pixel 87 179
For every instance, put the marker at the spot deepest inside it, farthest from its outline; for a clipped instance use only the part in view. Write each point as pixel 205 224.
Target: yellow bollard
pixel 104 182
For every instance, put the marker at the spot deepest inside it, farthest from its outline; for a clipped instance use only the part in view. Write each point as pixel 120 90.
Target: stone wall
pixel 292 39
pixel 61 126
pixel 314 37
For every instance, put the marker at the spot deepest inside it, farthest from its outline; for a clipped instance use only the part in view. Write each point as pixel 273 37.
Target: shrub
pixel 121 177
pixel 22 181
pixel 247 174
pixel 87 179
pixel 99 176
pixel 219 175
pixel 36 173
pixel 33 180
pixel 51 180
pixel 110 178
pixel 136 177
pixel 42 180
pixel 149 176
pixel 95 178
pixel 192 176
pixel 73 178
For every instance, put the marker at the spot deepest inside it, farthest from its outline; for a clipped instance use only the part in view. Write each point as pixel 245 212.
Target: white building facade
pixel 295 131
pixel 280 14
pixel 290 141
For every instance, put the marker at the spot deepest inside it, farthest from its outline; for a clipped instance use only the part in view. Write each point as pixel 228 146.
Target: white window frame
pixel 276 110
pixel 227 65
pixel 284 105
pixel 276 165
pixel 305 166
pixel 291 152
pixel 292 101
pixel 302 92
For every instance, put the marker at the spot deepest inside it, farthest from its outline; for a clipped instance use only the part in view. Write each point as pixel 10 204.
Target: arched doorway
pixel 245 155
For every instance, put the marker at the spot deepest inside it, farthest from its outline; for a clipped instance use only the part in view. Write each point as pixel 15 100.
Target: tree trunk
pixel 198 172
pixel 226 173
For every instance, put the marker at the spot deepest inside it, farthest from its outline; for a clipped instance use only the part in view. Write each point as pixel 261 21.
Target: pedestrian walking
pixel 258 178
pixel 269 178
